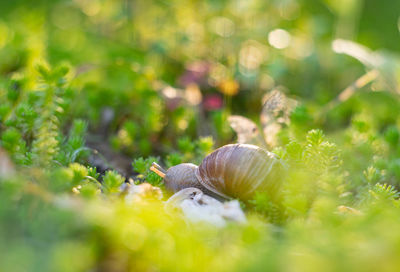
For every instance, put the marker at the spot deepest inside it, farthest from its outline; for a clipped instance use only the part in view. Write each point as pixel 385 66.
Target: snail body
pixel 231 171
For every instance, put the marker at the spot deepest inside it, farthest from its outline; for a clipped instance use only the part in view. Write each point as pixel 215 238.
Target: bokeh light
pixel 279 38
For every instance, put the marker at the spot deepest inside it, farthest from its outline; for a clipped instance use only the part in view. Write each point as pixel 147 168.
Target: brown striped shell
pixel 232 171
pixel 239 170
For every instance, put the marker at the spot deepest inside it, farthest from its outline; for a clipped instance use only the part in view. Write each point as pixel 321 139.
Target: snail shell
pixel 239 170
pixel 231 171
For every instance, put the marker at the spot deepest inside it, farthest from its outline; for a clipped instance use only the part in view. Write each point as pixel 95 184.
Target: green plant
pixel 155 81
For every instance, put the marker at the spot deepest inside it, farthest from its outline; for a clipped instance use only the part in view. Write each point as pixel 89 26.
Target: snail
pixel 231 171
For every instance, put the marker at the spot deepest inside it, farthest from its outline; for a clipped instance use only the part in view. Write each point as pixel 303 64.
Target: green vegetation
pixel 92 92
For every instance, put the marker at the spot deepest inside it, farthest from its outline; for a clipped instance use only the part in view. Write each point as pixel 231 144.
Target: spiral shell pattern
pixel 239 170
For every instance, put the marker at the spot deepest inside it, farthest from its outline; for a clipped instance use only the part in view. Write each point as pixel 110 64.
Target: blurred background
pixel 119 84
pixel 145 73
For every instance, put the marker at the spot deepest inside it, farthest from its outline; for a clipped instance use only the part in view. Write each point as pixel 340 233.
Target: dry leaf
pixel 246 130
pixel 386 64
pixel 275 114
pixel 362 53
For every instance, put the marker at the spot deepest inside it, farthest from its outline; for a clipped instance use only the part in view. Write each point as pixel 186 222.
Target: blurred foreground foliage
pixel 81 81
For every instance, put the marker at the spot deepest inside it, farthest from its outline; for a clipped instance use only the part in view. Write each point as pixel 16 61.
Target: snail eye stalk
pixel 158 170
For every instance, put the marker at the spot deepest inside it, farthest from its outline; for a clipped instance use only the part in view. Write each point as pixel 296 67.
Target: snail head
pixel 178 177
